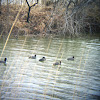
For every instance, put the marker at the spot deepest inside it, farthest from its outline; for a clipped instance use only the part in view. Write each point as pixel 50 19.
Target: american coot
pixel 33 57
pixel 4 61
pixel 42 59
pixel 72 58
pixel 57 63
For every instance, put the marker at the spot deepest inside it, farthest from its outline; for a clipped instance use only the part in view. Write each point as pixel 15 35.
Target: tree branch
pixel 33 5
pixel 27 3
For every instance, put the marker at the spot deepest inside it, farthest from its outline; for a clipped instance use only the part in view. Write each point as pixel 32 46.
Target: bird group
pixel 42 60
pixel 56 63
pixel 34 57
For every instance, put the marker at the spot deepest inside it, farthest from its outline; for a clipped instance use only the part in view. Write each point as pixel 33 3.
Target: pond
pixel 22 78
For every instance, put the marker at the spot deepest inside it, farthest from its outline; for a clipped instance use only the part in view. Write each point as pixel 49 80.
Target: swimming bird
pixel 33 57
pixel 4 61
pixel 72 58
pixel 57 63
pixel 42 59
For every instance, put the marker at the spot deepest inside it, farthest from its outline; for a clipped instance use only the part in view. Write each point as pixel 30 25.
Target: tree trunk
pixel 0 6
pixel 28 14
pixel 7 15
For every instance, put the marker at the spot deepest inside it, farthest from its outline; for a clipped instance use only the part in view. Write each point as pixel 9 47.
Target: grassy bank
pixel 40 19
pixel 46 20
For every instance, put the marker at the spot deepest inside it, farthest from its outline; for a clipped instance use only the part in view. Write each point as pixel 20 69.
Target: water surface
pixel 28 79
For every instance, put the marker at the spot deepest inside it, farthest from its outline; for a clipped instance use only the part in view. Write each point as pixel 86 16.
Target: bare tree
pixel 30 9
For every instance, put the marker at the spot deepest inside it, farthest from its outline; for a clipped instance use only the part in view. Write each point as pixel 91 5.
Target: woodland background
pixel 59 17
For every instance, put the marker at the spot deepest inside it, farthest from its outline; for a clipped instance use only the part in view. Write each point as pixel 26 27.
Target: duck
pixel 57 63
pixel 33 57
pixel 42 59
pixel 5 59
pixel 72 58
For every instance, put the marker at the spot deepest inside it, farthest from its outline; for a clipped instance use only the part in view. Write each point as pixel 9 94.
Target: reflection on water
pixel 27 79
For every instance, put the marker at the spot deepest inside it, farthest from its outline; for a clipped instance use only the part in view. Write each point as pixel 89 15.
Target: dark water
pixel 28 79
